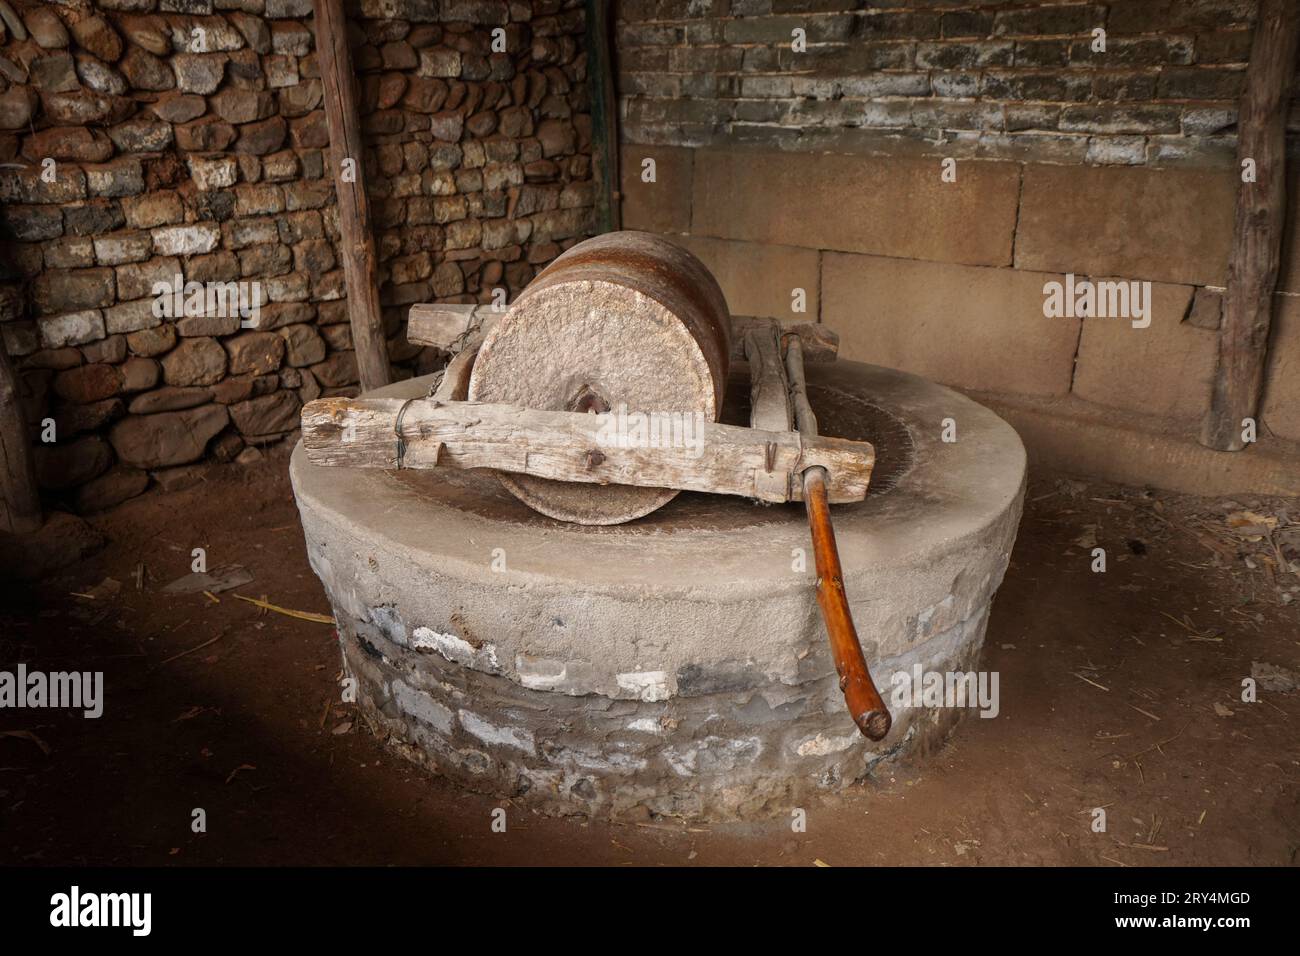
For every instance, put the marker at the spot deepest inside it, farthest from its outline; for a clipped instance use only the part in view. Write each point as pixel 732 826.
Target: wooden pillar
pixel 604 116
pixel 359 266
pixel 20 505
pixel 1257 228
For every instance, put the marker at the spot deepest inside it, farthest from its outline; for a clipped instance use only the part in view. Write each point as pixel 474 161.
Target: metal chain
pixel 397 430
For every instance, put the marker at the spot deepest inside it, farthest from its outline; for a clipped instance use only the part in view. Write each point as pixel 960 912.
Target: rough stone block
pixel 169 398
pixel 213 172
pixel 665 204
pixel 111 350
pixel 976 328
pixel 17 105
pixel 439 62
pixel 94 217
pixel 196 361
pixel 267 415
pixel 75 328
pixel 190 240
pixel 76 144
pixel 303 346
pixel 760 279
pixel 168 438
pixel 1162 370
pixel 35 224
pixel 209 134
pixel 117 248
pixel 72 290
pixel 257 353
pixel 131 317
pixel 123 177
pixel 65 465
pixel 26 185
pixel 290 38
pixel 88 383
pixel 136 280
pixel 199 73
pixel 896 207
pixel 138 374
pixel 73 252
pixel 109 489
pixel 142 135
pixel 153 209
pixel 152 341
pixel 1169 225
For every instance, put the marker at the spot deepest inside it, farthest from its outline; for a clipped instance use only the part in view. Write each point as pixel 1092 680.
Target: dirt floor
pixel 1119 690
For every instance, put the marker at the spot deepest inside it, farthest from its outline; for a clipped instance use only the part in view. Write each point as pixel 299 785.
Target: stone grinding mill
pixel 595 399
pixel 627 321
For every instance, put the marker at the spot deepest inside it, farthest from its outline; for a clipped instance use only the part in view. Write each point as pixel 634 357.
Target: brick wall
pixel 214 165
pixel 955 77
pixel 918 176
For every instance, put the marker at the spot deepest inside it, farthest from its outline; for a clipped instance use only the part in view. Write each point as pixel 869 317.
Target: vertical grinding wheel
pixel 626 318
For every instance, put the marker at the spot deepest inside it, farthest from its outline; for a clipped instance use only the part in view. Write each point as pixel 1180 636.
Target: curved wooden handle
pixel 865 704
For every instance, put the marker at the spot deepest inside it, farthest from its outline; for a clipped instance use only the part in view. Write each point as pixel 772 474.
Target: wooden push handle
pixel 865 704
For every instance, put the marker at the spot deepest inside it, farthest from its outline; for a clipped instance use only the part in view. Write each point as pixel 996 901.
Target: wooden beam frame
pixel 360 271
pixel 573 446
pixel 1258 226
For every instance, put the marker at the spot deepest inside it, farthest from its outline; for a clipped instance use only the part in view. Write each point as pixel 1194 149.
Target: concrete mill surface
pixel 677 665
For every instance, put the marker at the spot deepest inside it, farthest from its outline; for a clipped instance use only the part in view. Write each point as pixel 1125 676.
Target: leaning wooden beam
pixel 604 115
pixel 359 264
pixel 571 446
pixel 20 504
pixel 442 326
pixel 1257 228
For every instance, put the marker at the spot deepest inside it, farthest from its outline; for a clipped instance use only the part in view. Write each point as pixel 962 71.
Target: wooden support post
pixel 359 267
pixel 604 116
pixel 20 504
pixel 1257 228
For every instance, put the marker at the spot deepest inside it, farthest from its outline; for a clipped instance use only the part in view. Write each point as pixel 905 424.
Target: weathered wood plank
pixel 454 386
pixel 1259 223
pixel 360 272
pixel 446 326
pixel 570 446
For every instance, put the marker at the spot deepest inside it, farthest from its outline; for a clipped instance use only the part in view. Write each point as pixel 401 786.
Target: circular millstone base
pixel 676 665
